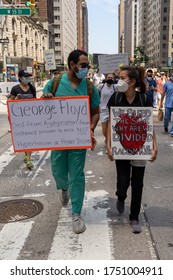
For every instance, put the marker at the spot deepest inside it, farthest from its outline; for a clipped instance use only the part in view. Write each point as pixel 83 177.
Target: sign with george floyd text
pixel 50 124
pixel 131 132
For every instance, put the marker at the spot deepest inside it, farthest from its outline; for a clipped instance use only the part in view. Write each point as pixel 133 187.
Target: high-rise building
pixel 130 27
pixel 65 29
pixel 121 27
pixel 85 25
pixel 79 24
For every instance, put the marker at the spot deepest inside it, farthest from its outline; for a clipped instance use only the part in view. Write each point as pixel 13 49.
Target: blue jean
pixel 68 171
pixel 167 118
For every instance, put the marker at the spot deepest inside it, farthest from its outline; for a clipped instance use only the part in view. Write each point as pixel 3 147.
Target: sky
pixel 103 26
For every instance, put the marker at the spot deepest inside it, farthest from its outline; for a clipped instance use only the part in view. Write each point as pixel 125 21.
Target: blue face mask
pixel 82 73
pixel 26 80
pixel 13 78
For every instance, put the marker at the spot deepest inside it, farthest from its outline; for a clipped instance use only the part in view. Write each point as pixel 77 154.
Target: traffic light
pixel 31 4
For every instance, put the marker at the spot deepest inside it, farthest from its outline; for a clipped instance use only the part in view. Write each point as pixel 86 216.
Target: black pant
pixel 126 173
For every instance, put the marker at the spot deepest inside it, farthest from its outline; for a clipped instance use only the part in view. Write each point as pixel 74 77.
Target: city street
pixel 49 235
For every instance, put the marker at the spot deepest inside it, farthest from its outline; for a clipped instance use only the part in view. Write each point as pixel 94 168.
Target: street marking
pixel 12 239
pixel 94 243
pixel 6 158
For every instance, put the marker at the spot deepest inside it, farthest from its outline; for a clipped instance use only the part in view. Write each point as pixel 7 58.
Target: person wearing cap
pixel 151 87
pixel 24 90
pixel 168 93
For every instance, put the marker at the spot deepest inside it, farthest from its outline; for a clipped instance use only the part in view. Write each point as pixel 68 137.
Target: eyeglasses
pixel 85 65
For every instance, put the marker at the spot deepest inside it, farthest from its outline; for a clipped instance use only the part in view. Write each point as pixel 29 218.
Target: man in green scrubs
pixel 68 165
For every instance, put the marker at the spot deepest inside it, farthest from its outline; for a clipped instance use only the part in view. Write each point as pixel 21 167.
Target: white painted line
pixel 12 239
pixel 6 158
pixel 94 243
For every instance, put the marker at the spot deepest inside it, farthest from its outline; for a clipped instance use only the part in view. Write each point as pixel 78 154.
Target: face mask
pixel 82 73
pixel 109 81
pixel 122 86
pixel 13 78
pixel 25 80
pixel 149 78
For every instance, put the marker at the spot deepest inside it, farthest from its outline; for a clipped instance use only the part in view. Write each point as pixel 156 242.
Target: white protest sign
pixel 132 132
pixel 50 124
pixel 49 57
pixel 108 63
pixel 5 87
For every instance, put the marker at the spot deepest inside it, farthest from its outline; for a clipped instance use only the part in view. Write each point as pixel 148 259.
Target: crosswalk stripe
pixel 12 239
pixel 6 158
pixel 94 242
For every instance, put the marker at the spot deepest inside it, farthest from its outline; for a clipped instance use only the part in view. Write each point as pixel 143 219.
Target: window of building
pixel 164 19
pixel 165 10
pixel 58 44
pixel 164 36
pixel 164 46
pixel 164 27
pixel 57 35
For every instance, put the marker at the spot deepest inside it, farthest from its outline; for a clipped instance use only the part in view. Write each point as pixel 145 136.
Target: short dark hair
pixel 150 71
pixel 74 56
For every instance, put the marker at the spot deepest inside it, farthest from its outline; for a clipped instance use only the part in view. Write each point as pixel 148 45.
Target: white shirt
pixel 106 93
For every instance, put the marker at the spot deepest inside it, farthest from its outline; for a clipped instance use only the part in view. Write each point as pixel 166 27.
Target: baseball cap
pixel 24 73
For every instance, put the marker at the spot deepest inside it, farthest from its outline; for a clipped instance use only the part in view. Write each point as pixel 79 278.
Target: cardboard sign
pixel 49 58
pixel 110 62
pixel 5 87
pixel 50 124
pixel 132 132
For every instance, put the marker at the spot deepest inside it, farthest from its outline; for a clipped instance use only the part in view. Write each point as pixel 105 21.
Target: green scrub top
pixel 65 89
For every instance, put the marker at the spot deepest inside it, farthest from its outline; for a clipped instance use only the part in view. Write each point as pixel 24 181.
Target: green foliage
pixel 140 56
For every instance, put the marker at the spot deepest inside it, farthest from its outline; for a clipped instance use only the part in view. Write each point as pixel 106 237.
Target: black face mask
pixel 109 81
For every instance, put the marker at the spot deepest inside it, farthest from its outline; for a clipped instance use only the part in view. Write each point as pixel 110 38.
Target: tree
pixel 140 56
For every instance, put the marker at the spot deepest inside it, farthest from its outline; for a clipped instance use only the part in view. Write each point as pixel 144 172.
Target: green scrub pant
pixel 68 171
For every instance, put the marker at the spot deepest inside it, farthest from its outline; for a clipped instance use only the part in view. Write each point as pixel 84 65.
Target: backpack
pixel 142 97
pixel 56 81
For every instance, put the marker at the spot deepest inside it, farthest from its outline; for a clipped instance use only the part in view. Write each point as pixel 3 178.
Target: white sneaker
pixel 64 197
pixel 78 224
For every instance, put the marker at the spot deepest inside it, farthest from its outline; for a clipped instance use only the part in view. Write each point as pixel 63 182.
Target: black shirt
pixel 121 101
pixel 30 93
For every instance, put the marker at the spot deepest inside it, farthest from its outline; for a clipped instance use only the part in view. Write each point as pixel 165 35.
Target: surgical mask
pixel 122 86
pixel 149 78
pixel 13 78
pixel 109 81
pixel 25 80
pixel 82 73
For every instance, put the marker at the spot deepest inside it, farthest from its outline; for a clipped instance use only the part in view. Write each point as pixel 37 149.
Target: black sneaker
pixel 136 227
pixel 166 129
pixel 120 206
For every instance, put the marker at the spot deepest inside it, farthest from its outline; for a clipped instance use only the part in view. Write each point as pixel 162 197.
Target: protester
pixel 151 87
pixel 106 90
pixel 68 165
pixel 130 171
pixel 98 78
pixel 160 83
pixel 24 90
pixel 168 92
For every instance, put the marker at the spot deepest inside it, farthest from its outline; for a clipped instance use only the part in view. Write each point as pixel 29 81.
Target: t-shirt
pixel 65 89
pixel 123 102
pixel 30 93
pixel 150 83
pixel 106 93
pixel 168 87
pixel 98 78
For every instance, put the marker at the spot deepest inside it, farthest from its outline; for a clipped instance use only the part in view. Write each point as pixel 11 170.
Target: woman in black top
pixel 132 94
pixel 24 90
